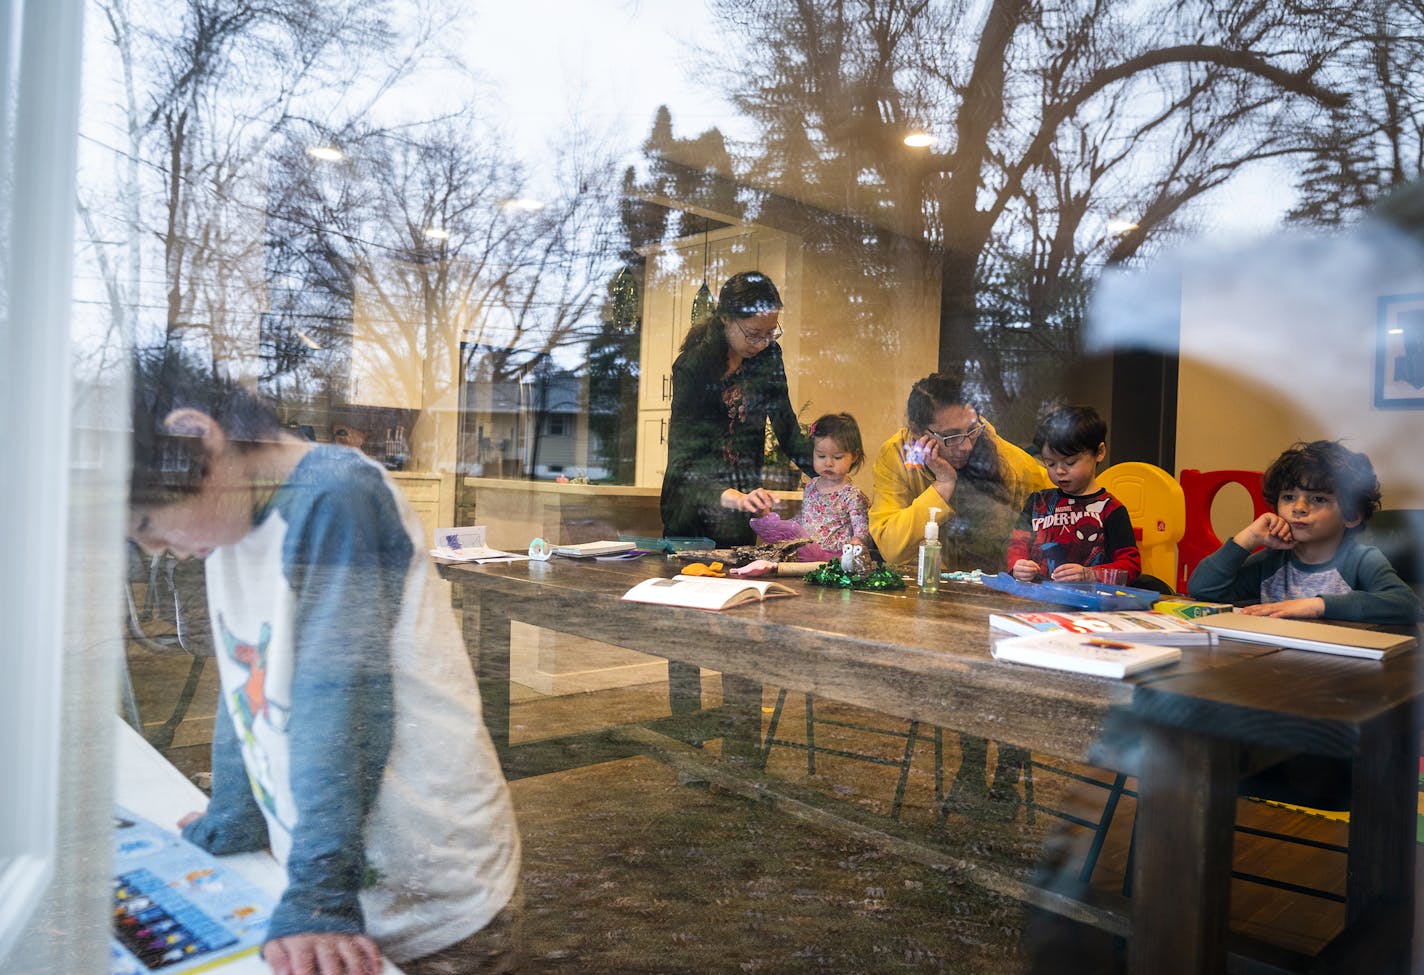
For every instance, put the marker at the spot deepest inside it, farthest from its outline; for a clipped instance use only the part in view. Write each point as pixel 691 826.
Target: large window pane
pixel 471 239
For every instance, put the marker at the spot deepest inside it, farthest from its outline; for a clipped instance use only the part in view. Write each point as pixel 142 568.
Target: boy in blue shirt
pixel 1310 565
pixel 349 739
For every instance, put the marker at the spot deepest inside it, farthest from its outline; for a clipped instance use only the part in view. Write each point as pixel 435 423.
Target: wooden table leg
pixel 1181 894
pixel 1380 875
pixel 487 635
pixel 741 701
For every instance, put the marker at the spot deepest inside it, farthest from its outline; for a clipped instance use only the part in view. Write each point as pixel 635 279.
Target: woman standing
pixel 728 380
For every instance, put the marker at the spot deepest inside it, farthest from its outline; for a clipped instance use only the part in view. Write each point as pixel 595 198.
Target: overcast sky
pixel 612 62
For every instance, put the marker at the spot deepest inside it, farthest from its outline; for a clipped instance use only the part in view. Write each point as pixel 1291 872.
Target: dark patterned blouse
pixel 717 436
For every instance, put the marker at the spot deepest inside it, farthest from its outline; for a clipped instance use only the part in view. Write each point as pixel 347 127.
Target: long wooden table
pixel 1194 728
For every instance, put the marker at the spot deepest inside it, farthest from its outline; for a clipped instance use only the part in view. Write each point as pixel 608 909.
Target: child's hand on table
pixel 323 953
pixel 1072 572
pixel 1270 530
pixel 1025 570
pixel 1305 609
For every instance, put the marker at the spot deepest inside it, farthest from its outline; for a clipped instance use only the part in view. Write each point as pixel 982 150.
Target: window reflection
pixel 354 207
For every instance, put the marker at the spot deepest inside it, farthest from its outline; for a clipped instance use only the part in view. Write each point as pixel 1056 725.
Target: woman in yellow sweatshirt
pixel 958 464
pixel 948 457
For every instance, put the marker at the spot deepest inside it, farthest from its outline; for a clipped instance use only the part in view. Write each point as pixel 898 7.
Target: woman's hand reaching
pixel 757 502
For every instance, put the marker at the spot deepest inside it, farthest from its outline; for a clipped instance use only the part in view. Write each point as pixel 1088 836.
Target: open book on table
pixel 1084 653
pixel 701 592
pixel 468 545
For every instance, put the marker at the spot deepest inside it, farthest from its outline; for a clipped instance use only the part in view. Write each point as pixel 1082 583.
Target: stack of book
pixel 1102 644
pixel 1119 644
pixel 1139 626
pixel 1346 641
pixel 1084 653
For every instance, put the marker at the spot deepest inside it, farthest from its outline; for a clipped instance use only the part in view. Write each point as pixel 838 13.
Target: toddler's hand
pixel 1025 570
pixel 761 567
pixel 323 953
pixel 1305 609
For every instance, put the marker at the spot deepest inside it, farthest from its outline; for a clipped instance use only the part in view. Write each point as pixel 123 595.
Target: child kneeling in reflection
pixel 349 738
pixel 1310 565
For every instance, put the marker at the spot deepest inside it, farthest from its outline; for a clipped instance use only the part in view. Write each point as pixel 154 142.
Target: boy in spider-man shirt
pixel 1074 531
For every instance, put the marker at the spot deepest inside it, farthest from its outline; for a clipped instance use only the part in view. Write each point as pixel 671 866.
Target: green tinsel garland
pixel 833 576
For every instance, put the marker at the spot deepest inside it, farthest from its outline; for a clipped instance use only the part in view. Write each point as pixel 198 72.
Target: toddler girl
pixel 833 510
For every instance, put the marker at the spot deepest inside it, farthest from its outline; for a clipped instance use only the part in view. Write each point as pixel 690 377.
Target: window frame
pixel 39 106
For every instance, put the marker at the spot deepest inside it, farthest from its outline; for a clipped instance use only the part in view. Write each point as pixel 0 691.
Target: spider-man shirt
pixel 1056 529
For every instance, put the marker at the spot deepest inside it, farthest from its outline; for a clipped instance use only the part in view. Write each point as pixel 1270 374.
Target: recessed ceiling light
pixel 919 140
pixel 326 153
pixel 523 203
pixel 1121 226
pixel 436 233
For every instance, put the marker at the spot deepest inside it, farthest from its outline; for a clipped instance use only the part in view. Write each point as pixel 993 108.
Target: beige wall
pixel 1278 345
pixel 865 340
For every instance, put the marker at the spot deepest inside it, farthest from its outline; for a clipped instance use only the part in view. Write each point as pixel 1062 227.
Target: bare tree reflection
pixel 1049 122
pixel 173 213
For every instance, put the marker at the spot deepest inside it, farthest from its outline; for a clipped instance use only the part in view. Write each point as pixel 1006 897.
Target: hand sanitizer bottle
pixel 928 578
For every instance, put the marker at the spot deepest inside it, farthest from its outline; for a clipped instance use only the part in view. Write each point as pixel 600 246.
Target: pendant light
pixel 702 304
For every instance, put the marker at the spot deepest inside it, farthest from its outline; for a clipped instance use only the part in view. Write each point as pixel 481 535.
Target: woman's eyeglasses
pixel 759 338
pixel 955 439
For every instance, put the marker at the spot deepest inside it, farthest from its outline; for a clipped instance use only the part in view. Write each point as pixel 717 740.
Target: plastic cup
pixel 1112 577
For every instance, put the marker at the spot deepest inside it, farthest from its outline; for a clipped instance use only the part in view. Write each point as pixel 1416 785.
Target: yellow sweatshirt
pixel 976 520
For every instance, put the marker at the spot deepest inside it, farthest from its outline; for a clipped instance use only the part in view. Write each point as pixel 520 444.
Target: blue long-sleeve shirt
pixel 1358 584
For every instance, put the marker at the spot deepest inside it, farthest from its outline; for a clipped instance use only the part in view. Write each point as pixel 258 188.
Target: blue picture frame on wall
pixel 1399 352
